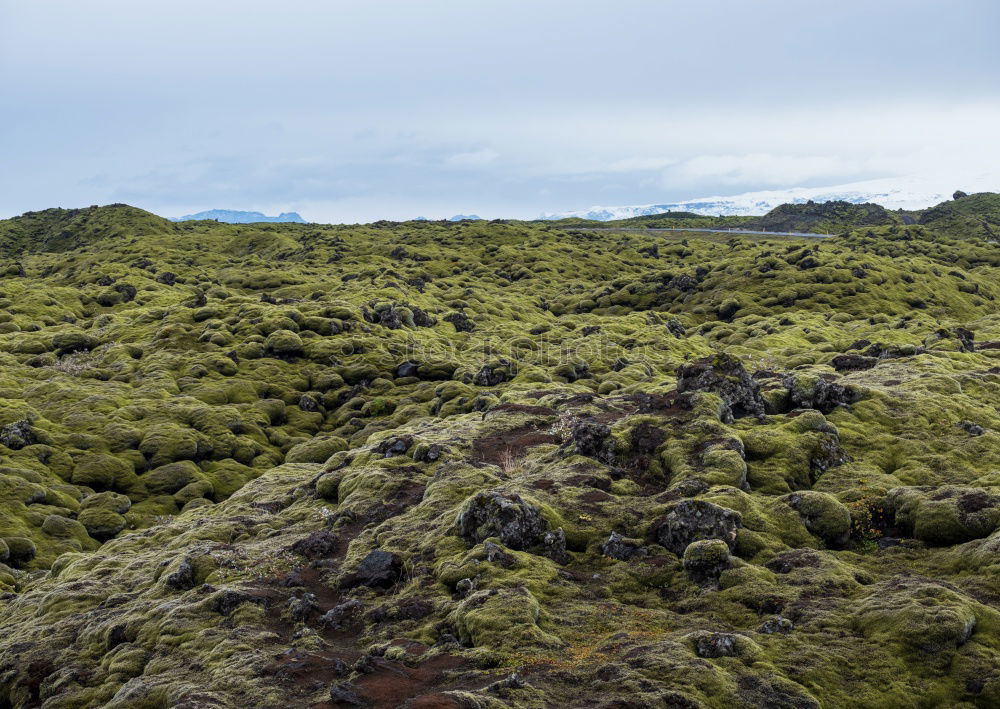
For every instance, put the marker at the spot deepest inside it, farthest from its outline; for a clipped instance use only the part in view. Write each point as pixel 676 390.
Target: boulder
pixel 379 569
pixel 17 435
pixel 101 523
pixel 823 515
pixel 713 645
pixel 518 524
pixel 726 376
pixel 554 546
pixel 690 521
pixel 284 344
pixel 461 322
pixel 181 578
pixel 918 613
pixel 318 545
pixel 945 515
pixel 589 437
pixel 621 548
pixel 20 550
pixel 316 450
pixel 495 373
pixel 704 560
pixel 815 392
pixel 851 362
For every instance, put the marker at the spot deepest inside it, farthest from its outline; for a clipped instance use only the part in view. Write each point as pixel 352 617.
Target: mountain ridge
pixel 235 216
pixel 907 193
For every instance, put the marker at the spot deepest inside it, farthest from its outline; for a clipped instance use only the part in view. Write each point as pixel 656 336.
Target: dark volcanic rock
pixel 346 694
pixel 461 322
pixel 392 447
pixel 492 514
pixel 183 577
pixel 308 403
pixel 318 545
pixel 620 547
pixel 713 645
pixel 408 369
pixel 420 317
pixel 776 624
pixel 851 362
pixel 229 600
pixel 495 373
pixel 380 569
pixel 828 454
pixel 973 428
pixel 340 615
pixel 675 328
pixel 882 351
pixel 302 608
pixel 726 376
pixel 689 521
pixel 589 437
pixel 17 435
pixel 429 454
pixel 822 395
pixel 496 555
pixel 554 546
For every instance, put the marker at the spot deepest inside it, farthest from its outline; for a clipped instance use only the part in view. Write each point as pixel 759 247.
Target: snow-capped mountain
pixel 891 193
pixel 233 216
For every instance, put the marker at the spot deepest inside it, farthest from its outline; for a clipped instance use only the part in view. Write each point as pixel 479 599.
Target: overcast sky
pixel 354 111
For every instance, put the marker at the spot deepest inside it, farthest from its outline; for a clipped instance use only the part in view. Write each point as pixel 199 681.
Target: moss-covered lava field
pixel 501 464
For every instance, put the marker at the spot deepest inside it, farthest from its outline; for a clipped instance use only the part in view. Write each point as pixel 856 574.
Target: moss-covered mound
pixel 821 217
pixel 477 464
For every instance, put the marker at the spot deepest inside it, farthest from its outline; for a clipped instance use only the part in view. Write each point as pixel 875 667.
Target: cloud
pixel 639 164
pixel 764 169
pixel 475 158
pixel 134 102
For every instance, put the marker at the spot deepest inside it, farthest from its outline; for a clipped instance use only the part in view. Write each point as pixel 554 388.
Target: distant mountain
pixel 463 217
pixel 233 216
pixel 907 193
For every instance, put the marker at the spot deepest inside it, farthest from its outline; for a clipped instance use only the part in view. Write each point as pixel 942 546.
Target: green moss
pixel 171 478
pixel 101 523
pixel 316 450
pixel 222 415
pixel 946 515
pixel 823 515
pixel 504 621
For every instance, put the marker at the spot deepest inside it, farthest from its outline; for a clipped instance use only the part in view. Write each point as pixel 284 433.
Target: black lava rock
pixel 492 514
pixel 380 569
pixel 318 545
pixel 851 362
pixel 621 548
pixel 692 520
pixel 183 577
pixel 461 322
pixel 17 435
pixel 726 376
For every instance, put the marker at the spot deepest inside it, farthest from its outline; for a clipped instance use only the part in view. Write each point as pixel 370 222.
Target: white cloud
pixel 640 163
pixel 764 169
pixel 475 158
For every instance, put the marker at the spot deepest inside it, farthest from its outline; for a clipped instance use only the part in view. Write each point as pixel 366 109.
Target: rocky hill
pixel 822 217
pixel 485 464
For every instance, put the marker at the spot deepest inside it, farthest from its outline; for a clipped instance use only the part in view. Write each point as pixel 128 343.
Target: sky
pixel 351 111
